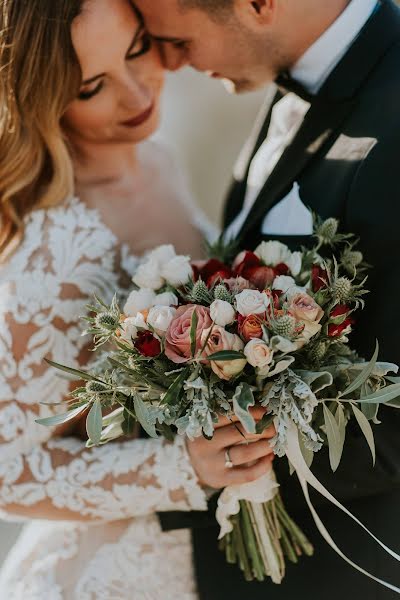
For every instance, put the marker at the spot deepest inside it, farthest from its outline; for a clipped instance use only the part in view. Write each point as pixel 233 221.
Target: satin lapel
pixel 320 123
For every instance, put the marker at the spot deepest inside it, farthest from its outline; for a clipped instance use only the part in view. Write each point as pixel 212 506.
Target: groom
pixel 328 140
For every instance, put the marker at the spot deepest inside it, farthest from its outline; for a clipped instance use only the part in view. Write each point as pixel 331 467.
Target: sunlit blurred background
pixel 205 128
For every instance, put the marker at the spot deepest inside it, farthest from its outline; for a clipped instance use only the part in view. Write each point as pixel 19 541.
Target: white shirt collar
pixel 315 66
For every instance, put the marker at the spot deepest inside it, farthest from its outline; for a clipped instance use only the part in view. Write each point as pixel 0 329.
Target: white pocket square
pixel 289 217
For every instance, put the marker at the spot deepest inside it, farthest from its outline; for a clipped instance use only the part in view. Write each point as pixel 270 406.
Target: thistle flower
pixel 285 326
pixel 222 293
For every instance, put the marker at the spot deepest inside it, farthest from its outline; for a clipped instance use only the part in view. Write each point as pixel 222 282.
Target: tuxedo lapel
pixel 331 106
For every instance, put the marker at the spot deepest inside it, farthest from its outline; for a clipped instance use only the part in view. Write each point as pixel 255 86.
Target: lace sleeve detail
pixel 67 254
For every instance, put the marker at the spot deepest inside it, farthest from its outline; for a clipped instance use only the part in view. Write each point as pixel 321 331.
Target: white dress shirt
pixel 311 70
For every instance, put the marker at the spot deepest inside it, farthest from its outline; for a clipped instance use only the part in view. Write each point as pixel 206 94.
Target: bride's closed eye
pixel 141 45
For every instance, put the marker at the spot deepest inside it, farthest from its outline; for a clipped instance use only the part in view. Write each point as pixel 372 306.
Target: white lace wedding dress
pixel 100 538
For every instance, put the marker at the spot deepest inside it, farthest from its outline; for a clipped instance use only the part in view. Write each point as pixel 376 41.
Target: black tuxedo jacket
pixel 346 159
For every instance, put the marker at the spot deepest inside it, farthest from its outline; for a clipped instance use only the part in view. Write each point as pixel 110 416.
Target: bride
pixel 82 195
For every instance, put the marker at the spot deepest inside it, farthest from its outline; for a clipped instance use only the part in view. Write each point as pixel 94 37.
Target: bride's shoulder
pixel 56 236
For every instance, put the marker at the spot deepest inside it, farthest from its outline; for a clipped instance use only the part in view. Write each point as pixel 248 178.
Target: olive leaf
pixel 94 422
pixel 193 333
pixel 364 375
pixel 335 438
pixel 366 429
pixel 227 355
pixel 64 418
pixel 143 416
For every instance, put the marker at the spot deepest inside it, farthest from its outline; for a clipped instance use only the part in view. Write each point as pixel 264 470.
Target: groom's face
pixel 223 47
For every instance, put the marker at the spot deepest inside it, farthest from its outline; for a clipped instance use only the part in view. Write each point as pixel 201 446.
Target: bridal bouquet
pixel 196 341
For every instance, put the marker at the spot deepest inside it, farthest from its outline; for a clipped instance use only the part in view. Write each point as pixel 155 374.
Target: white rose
pixel 139 321
pixel 139 300
pixel 129 330
pixel 166 299
pixel 251 302
pixel 148 276
pixel 258 354
pixel 294 263
pixel 160 317
pixel 177 271
pixel 273 253
pixel 284 283
pixel 222 313
pixel 162 255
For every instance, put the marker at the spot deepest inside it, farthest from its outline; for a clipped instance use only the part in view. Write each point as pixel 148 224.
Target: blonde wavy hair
pixel 39 77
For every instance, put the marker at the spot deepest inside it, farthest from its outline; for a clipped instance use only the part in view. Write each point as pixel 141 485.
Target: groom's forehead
pixel 165 18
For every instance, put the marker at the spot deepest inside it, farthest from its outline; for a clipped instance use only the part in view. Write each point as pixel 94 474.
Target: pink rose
pixel 220 340
pixel 308 312
pixel 177 341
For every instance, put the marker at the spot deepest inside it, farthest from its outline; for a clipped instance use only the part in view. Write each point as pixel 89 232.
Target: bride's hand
pixel 250 460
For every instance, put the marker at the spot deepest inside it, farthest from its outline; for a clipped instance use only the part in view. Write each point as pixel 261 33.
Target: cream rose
pixel 139 300
pixel 177 271
pixel 305 310
pixel 251 302
pixel 222 312
pixel 129 330
pixel 162 255
pixel 258 353
pixel 220 340
pixel 148 276
pixel 166 299
pixel 160 318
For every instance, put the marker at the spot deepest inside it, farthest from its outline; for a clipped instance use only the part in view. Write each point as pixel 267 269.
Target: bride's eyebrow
pixel 138 32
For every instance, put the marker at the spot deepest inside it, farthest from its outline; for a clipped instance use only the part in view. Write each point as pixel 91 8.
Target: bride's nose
pixel 135 94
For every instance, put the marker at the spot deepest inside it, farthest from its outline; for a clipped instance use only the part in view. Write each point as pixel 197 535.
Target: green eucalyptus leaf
pixel 143 416
pixel 128 424
pixel 335 439
pixel 366 429
pixel 79 374
pixel 393 403
pixel 193 333
pixel 64 418
pixel 369 410
pixel 227 355
pixel 308 454
pixel 94 422
pixel 364 375
pixel 243 399
pixel 341 421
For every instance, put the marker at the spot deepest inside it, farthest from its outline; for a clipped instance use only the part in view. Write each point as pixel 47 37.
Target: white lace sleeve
pixel 67 254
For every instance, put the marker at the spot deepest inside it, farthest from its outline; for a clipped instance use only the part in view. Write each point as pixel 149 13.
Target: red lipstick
pixel 140 119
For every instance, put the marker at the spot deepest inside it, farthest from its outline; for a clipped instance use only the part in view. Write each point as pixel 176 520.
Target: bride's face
pixel 122 76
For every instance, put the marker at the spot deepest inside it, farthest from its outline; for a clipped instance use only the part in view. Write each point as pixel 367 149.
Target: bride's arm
pixel 43 289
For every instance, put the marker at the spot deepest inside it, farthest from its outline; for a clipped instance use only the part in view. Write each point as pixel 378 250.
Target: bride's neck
pixel 96 164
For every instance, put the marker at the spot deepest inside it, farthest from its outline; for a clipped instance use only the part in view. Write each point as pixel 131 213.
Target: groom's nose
pixel 173 58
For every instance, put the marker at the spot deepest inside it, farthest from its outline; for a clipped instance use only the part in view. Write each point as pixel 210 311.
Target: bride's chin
pixel 143 132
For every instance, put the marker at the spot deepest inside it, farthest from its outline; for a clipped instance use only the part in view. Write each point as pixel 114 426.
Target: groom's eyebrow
pixel 170 40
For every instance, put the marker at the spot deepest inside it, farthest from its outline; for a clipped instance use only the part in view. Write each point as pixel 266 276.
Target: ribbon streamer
pixel 306 477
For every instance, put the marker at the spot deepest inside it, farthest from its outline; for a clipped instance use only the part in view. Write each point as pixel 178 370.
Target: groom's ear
pixel 256 13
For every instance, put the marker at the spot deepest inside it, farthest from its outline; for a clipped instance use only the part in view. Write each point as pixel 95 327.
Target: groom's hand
pixel 250 454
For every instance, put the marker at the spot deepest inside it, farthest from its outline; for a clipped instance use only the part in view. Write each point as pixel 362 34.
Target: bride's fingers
pixel 231 435
pixel 240 475
pixel 247 453
pixel 257 412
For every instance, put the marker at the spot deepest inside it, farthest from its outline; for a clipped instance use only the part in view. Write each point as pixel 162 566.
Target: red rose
pixel 339 322
pixel 337 330
pixel 339 311
pixel 319 278
pixel 260 277
pixel 244 262
pixel 147 344
pixel 281 269
pixel 212 271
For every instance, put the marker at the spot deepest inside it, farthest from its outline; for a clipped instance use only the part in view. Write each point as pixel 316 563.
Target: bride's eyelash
pixel 88 95
pixel 145 43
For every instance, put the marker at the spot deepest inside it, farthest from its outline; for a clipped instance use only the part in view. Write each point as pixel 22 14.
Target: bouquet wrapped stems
pixel 262 538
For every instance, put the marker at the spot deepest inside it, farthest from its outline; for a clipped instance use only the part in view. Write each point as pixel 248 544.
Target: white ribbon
pixel 306 477
pixel 262 490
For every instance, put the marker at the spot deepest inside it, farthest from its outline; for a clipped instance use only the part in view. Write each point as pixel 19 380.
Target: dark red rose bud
pixel 337 330
pixel 281 269
pixel 339 310
pixel 213 270
pixel 319 278
pixel 260 277
pixel 147 344
pixel 249 260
